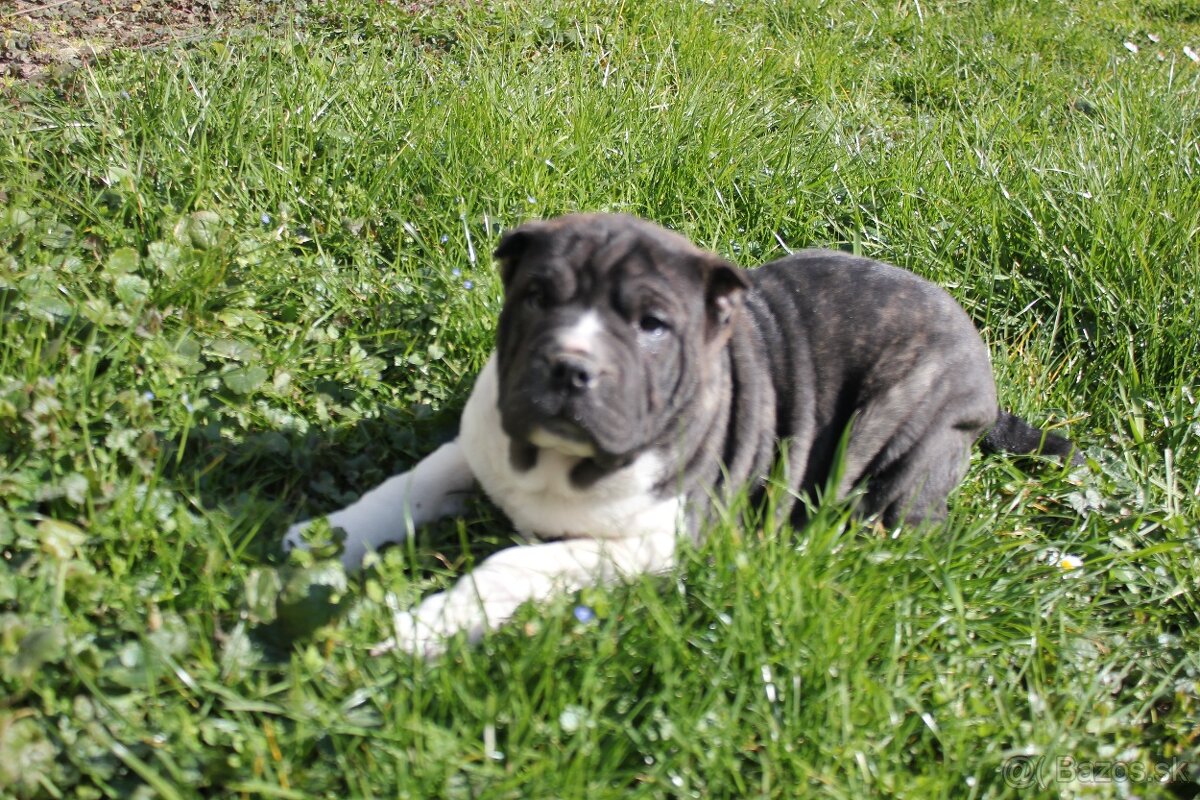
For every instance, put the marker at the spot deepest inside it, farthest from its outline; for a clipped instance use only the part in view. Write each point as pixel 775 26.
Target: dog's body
pixel 637 380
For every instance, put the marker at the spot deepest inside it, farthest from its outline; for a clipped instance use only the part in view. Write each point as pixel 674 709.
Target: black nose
pixel 572 374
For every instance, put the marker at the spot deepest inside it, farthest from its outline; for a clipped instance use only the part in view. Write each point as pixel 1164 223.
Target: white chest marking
pixel 542 500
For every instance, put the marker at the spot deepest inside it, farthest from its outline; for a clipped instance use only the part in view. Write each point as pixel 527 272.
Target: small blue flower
pixel 468 285
pixel 445 238
pixel 456 272
pixel 584 614
pixel 148 395
pixel 265 219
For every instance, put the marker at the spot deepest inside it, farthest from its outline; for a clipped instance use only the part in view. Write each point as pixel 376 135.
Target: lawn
pixel 244 279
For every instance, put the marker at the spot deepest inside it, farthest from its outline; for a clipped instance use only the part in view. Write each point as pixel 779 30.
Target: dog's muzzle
pixel 572 375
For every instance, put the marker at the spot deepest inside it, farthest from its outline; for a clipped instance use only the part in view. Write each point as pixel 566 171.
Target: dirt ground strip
pixel 41 37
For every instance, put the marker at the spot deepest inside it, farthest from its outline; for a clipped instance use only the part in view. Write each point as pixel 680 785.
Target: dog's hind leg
pixel 434 488
pixel 914 488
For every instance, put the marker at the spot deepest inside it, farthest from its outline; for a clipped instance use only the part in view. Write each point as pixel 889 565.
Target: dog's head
pixel 609 324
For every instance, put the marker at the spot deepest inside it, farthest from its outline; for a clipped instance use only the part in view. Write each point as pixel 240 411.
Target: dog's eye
pixel 652 325
pixel 536 297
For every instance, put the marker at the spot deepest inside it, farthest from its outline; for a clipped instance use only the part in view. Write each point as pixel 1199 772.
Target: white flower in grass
pixel 573 718
pixel 1069 562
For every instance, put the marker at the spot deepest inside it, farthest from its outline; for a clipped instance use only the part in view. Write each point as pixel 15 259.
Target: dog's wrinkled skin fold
pixel 638 381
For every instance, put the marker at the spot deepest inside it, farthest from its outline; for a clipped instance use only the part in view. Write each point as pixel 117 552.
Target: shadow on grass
pixel 264 481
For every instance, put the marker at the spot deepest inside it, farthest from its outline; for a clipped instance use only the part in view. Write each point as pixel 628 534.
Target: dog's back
pixel 856 342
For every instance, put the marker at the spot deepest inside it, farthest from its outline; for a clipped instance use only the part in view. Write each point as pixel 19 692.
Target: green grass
pixel 244 281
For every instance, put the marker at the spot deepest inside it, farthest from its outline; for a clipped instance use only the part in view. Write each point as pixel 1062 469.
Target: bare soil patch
pixel 41 38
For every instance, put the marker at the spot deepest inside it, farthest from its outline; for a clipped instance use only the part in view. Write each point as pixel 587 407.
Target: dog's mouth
pixel 563 436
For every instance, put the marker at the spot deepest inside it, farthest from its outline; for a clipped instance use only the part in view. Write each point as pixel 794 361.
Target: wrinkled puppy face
pixel 608 324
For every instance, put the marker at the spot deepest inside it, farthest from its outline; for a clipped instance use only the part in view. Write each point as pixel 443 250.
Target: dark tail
pixel 1011 434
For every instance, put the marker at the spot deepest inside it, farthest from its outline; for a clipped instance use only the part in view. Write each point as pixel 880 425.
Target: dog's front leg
pixel 434 488
pixel 492 593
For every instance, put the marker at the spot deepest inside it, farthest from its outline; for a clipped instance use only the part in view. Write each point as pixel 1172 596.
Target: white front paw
pixel 295 537
pixel 425 630
pixel 353 549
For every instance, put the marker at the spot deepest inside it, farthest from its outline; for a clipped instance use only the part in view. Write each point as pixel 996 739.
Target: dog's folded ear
pixel 724 293
pixel 513 245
